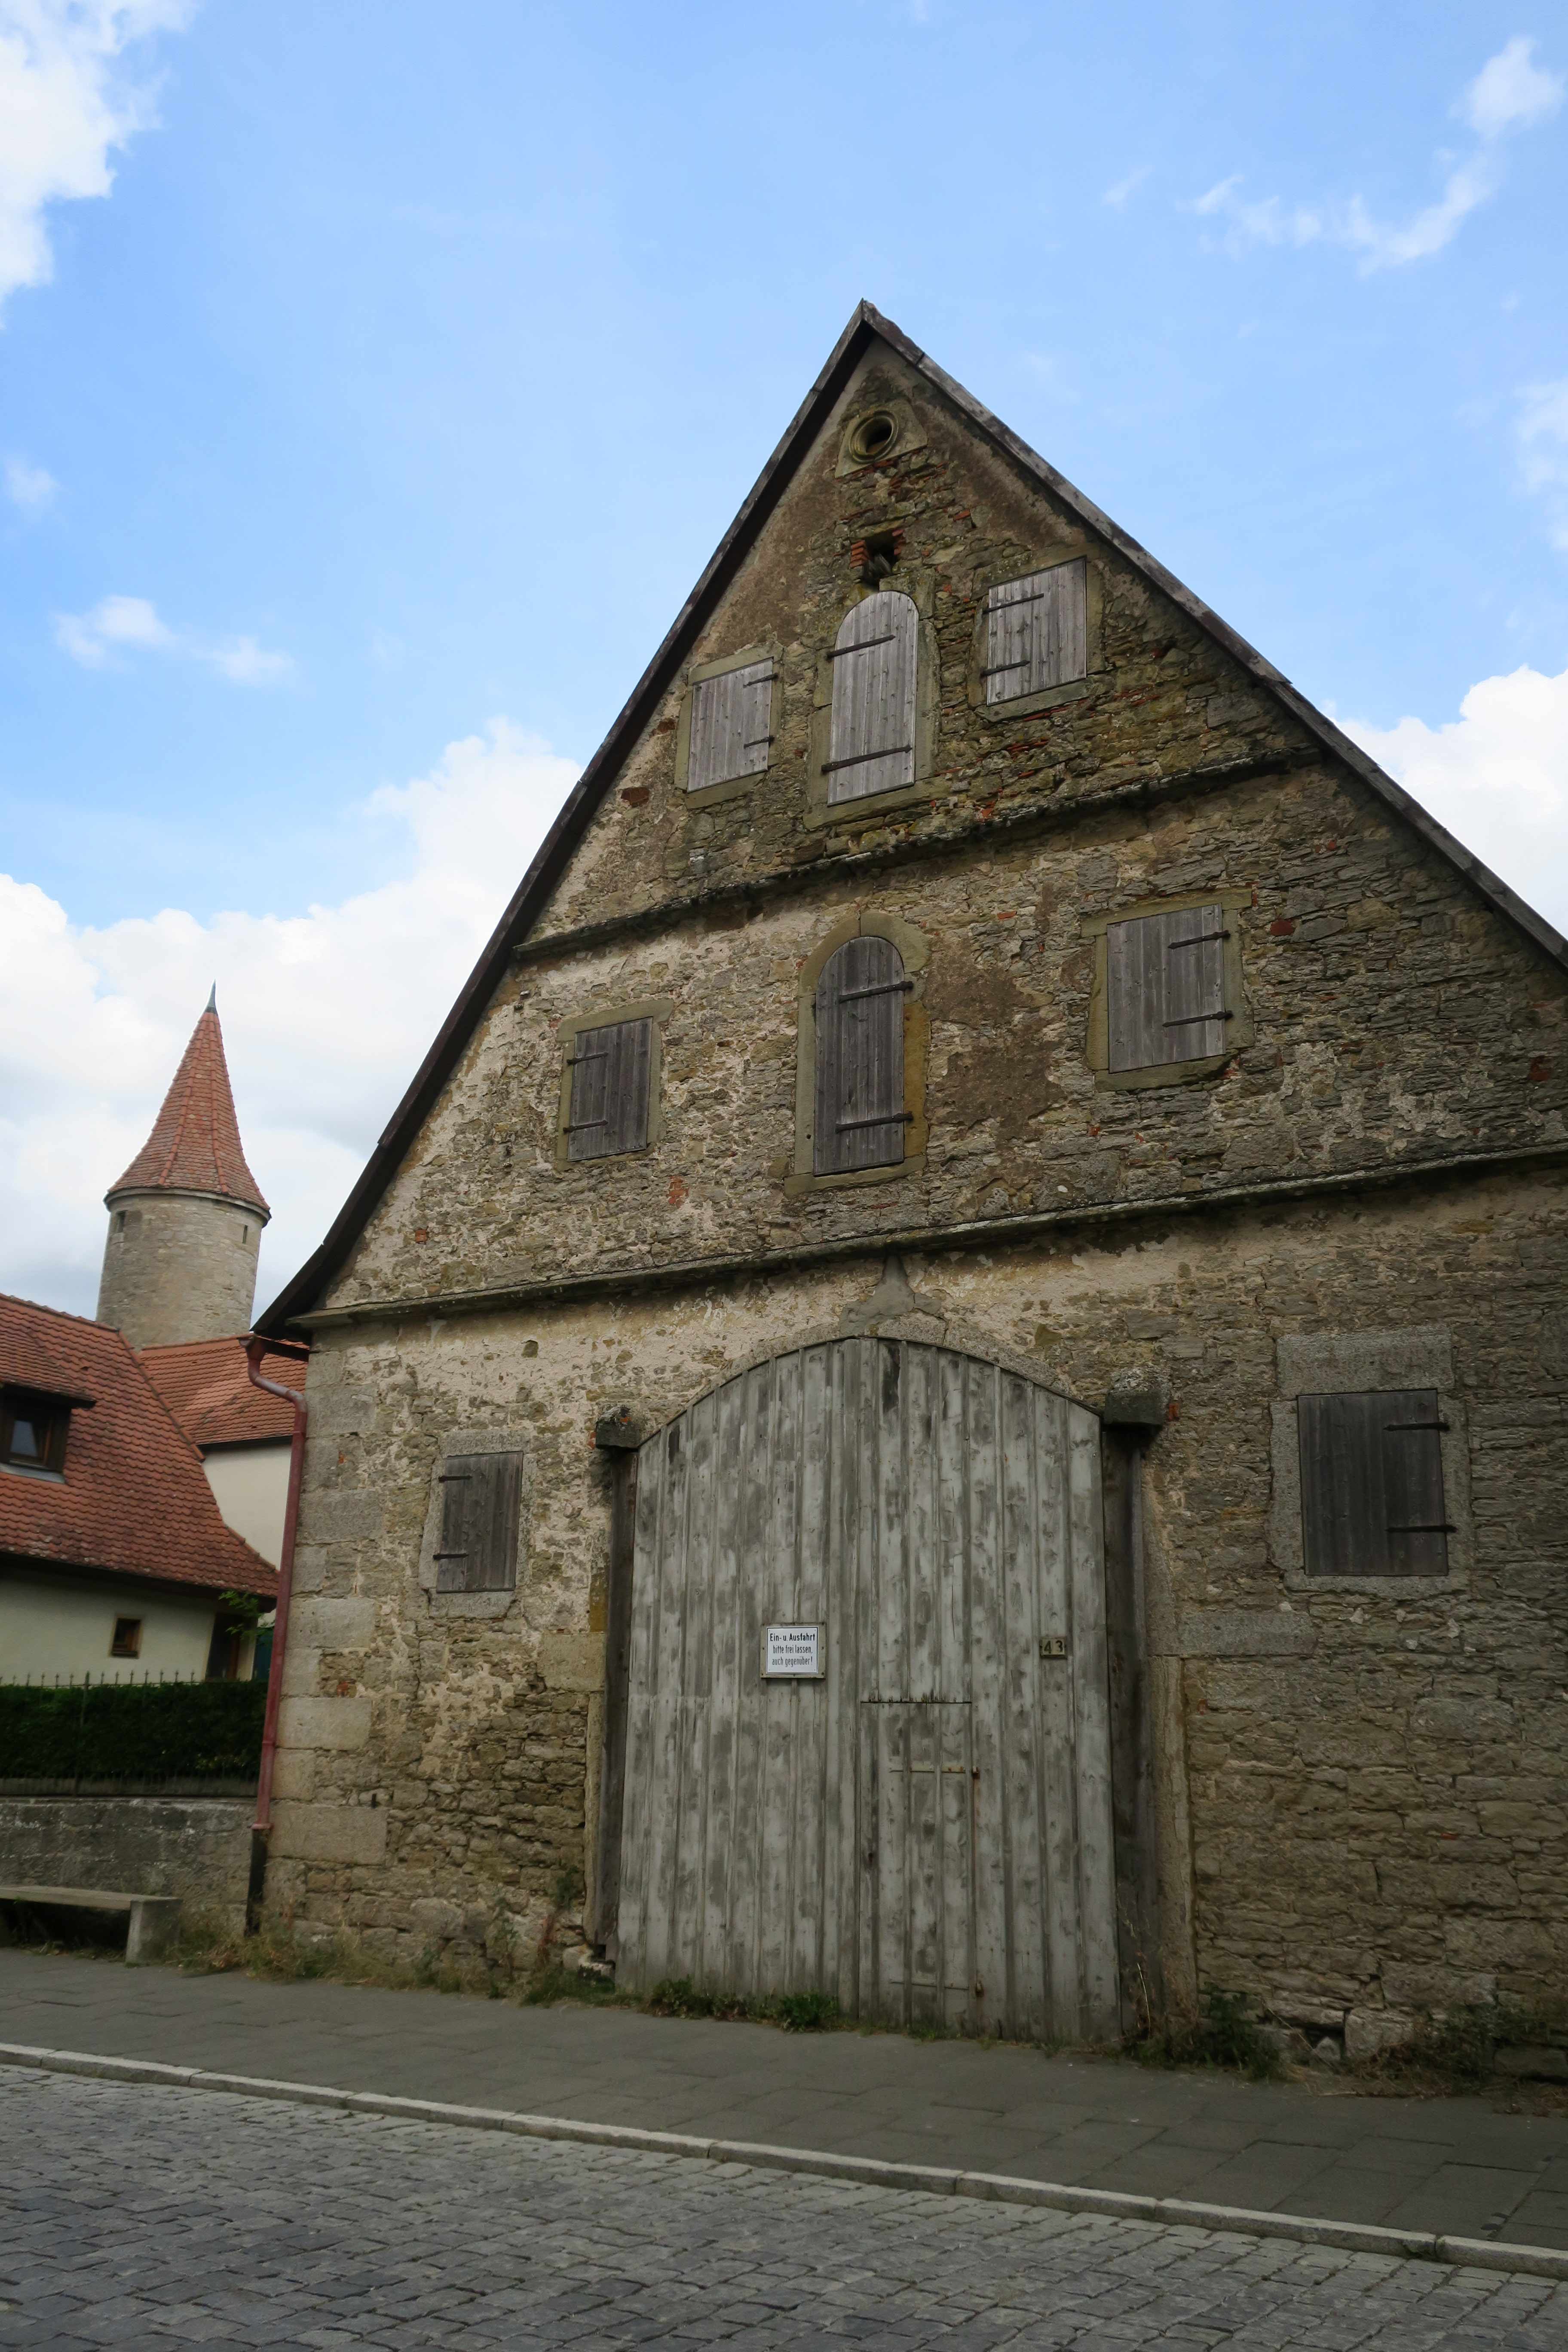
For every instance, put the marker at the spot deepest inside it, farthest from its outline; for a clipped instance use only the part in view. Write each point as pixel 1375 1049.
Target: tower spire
pixel 185 1218
pixel 194 1145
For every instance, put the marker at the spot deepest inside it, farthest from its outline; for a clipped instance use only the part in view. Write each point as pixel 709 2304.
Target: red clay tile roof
pixel 194 1145
pixel 205 1386
pixel 135 1498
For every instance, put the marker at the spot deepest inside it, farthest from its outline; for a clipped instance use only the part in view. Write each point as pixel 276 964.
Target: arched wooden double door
pixel 925 1832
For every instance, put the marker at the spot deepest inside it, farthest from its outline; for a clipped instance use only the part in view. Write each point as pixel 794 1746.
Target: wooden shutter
pixel 859 1112
pixel 478 1550
pixel 1038 634
pixel 610 1073
pixel 1372 1485
pixel 731 717
pixel 1165 988
pixel 872 742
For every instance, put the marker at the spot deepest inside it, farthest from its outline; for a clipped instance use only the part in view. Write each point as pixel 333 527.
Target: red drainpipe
pixel 261 1827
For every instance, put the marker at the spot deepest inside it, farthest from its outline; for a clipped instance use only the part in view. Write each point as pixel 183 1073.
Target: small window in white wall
pixel 1036 633
pixel 871 744
pixel 731 724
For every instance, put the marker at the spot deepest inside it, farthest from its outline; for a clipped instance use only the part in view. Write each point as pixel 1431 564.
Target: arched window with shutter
pixel 860 1116
pixel 871 737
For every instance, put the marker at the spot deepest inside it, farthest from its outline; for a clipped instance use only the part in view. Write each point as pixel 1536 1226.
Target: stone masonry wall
pixel 1363 1794
pixel 182 1266
pixel 1394 1015
pixel 1376 1786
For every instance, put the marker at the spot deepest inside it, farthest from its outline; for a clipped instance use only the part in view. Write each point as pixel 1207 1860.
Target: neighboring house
pixel 113 1555
pixel 1043 1171
pixel 243 1434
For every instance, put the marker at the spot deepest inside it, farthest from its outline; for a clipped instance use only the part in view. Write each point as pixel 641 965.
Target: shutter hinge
pixel 1415 1424
pixel 1190 1020
pixel 877 987
pixel 1000 604
pixel 885 639
pixel 887 1118
pixel 858 758
pixel 1423 1528
pixel 1200 938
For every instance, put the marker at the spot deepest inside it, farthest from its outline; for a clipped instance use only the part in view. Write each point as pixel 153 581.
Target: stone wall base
pixel 195 1847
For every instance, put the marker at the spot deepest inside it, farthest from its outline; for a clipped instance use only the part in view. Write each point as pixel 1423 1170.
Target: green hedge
pixel 132 1731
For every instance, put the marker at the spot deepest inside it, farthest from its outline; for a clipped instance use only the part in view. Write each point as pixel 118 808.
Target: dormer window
pixel 33 1432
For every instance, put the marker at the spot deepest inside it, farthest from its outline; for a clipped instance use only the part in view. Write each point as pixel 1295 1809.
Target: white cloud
pixel 1510 93
pixel 1543 451
pixel 325 1014
pixel 65 107
pixel 131 625
pixel 1117 194
pixel 28 487
pixel 1496 776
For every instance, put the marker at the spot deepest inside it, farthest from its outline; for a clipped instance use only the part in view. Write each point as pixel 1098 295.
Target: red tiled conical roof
pixel 194 1145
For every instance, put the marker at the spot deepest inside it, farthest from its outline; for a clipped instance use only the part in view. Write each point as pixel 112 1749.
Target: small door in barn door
pixel 924 1830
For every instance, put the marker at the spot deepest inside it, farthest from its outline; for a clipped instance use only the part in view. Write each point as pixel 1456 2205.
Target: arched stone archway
pixel 923 1829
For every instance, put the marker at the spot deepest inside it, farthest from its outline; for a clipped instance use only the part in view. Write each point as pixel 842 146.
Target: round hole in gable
pixel 873 436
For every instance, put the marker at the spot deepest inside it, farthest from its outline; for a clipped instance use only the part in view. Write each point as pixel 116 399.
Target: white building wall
pixel 65 1626
pixel 250 1485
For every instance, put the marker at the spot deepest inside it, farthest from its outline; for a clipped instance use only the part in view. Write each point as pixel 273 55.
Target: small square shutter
pixel 610 1074
pixel 1372 1485
pixel 1037 632
pixel 871 740
pixel 1165 988
pixel 731 717
pixel 860 1118
pixel 478 1549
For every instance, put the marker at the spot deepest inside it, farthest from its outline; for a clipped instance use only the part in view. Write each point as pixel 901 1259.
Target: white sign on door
pixel 792 1654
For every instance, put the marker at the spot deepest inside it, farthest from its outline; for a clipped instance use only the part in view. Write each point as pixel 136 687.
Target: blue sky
pixel 389 375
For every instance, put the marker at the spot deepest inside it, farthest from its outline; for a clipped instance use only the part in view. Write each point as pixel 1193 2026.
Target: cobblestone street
pixel 133 2216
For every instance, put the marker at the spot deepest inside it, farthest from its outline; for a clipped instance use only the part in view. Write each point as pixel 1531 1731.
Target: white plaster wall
pixel 65 1627
pixel 250 1485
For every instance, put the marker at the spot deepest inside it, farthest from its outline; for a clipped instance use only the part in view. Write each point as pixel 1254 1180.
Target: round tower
pixel 186 1219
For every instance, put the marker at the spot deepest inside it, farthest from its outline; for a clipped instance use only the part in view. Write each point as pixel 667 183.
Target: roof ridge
pixel 64 1314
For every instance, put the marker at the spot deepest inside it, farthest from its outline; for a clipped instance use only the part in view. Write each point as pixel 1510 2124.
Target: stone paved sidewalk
pixel 1443 2164
pixel 145 2217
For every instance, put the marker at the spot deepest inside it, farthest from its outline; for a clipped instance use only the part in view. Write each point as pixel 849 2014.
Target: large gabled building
pixel 947 1386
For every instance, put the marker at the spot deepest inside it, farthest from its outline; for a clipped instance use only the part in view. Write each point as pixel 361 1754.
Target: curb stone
pixel 1178 2212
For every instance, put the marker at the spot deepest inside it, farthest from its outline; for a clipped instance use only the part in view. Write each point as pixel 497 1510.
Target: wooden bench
pixel 153 1920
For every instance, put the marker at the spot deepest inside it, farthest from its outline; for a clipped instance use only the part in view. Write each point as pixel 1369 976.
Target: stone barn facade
pixel 949 1385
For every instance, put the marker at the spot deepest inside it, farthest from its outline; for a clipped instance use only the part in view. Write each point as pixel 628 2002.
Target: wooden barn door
pixel 926 1831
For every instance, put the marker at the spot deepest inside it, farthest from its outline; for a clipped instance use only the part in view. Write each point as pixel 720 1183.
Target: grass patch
pixel 1456 2051
pixel 797 2012
pixel 1221 2034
